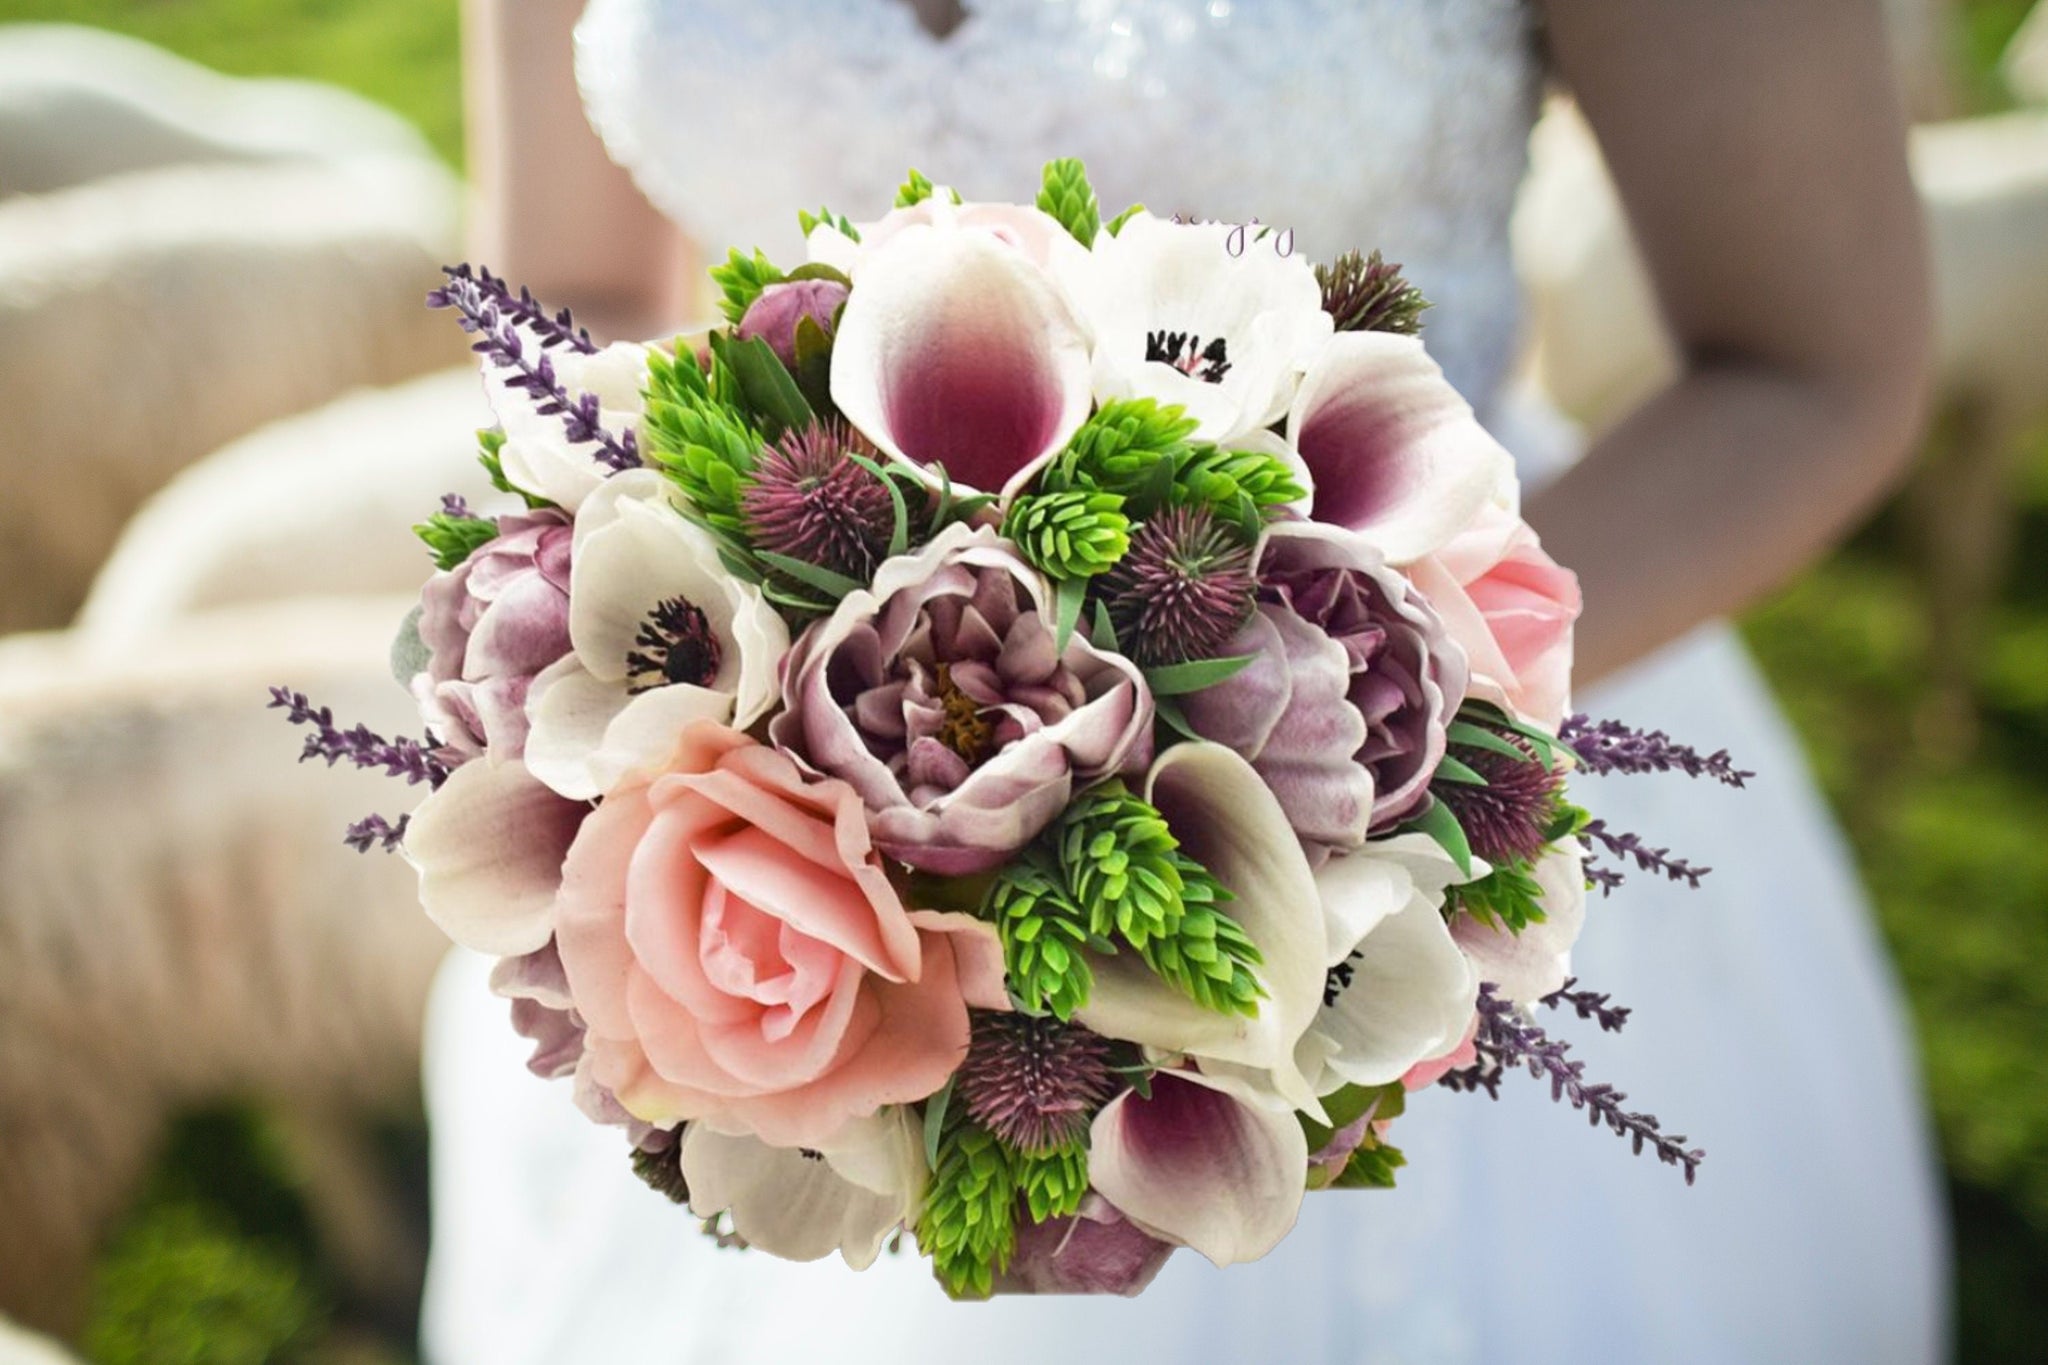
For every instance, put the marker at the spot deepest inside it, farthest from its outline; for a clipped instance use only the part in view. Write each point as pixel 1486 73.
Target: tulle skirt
pixel 1767 1027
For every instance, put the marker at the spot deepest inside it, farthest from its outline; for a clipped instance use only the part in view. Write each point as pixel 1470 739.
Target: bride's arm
pixel 551 211
pixel 1759 148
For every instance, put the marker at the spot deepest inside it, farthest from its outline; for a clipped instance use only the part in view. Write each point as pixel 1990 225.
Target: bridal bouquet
pixel 1039 733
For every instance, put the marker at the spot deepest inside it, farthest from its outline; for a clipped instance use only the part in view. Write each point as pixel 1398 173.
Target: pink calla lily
pixel 1204 1162
pixel 956 349
pixel 1396 454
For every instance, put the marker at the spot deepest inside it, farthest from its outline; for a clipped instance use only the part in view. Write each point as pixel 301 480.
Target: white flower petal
pixel 1227 819
pixel 489 846
pixel 1204 1163
pixel 1397 454
pixel 1410 996
pixel 955 348
pixel 537 455
pixel 804 1207
pixel 586 734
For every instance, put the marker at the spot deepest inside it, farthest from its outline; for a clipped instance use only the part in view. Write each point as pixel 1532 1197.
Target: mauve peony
pixel 489 625
pixel 1354 679
pixel 1512 607
pixel 939 696
pixel 739 958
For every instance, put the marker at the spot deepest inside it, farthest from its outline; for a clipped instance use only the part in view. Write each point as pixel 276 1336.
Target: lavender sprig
pixel 1506 1040
pixel 524 310
pixel 1606 878
pixel 360 745
pixel 1630 846
pixel 455 505
pixel 373 830
pixel 1609 746
pixel 1589 1004
pixel 487 308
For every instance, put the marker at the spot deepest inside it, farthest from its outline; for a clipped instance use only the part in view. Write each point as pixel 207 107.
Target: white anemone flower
pixel 1531 964
pixel 1193 315
pixel 662 634
pixel 538 455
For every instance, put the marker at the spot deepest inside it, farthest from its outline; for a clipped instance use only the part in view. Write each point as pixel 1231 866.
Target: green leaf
pixel 1175 680
pixel 1070 534
pixel 1449 769
pixel 813 372
pixel 1068 597
pixel 1067 196
pixel 1371 1167
pixel 844 225
pixel 1439 824
pixel 740 279
pixel 1116 224
pixel 968 1222
pixel 899 535
pixel 935 1121
pixel 453 539
pixel 1479 737
pixel 771 391
pixel 916 189
pixel 837 585
pixel 1169 711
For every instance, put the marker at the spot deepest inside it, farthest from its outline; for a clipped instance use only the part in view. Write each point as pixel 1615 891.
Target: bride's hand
pixel 1759 149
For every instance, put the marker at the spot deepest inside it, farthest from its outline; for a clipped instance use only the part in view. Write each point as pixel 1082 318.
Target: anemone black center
pixel 1186 352
pixel 675 645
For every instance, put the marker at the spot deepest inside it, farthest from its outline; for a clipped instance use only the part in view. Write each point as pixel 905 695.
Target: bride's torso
pixel 1396 124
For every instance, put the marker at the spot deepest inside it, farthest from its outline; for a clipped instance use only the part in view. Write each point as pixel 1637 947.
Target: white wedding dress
pixel 1767 1026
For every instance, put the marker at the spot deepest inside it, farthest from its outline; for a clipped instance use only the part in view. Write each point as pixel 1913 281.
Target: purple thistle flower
pixel 487 309
pixel 1627 846
pixel 1505 820
pixel 1035 1082
pixel 373 830
pixel 1505 1040
pixel 1608 746
pixel 1589 1004
pixel 1182 590
pixel 808 501
pixel 360 745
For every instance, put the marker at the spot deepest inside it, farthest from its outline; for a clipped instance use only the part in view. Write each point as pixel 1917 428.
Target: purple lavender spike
pixel 1631 846
pixel 1609 746
pixel 1505 1040
pixel 360 745
pixel 486 308
pixel 1606 878
pixel 1589 1004
pixel 373 830
pixel 455 505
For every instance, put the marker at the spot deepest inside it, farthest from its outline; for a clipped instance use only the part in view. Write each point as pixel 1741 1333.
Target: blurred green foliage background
pixel 215 1267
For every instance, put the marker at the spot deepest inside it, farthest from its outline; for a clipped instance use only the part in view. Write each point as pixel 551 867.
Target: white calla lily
pixel 1207 1162
pixel 955 348
pixel 600 712
pixel 1228 820
pixel 1397 455
pixel 802 1204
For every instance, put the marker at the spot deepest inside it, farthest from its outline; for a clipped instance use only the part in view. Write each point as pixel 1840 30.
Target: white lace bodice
pixel 1397 124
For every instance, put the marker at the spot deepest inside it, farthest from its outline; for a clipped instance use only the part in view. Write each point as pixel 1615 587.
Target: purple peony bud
pixel 1344 710
pixel 774 316
pixel 939 696
pixel 489 626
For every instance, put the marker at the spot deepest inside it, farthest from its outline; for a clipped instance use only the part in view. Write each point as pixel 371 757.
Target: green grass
pixel 1954 849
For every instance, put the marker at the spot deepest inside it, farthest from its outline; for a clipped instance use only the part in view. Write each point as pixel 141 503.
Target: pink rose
pixel 1425 1074
pixel 1512 607
pixel 739 957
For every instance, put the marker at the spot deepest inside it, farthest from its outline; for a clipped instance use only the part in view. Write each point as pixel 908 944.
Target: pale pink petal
pixel 1530 965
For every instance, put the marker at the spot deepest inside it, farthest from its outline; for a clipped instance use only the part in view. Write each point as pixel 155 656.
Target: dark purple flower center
pixel 675 645
pixel 1186 352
